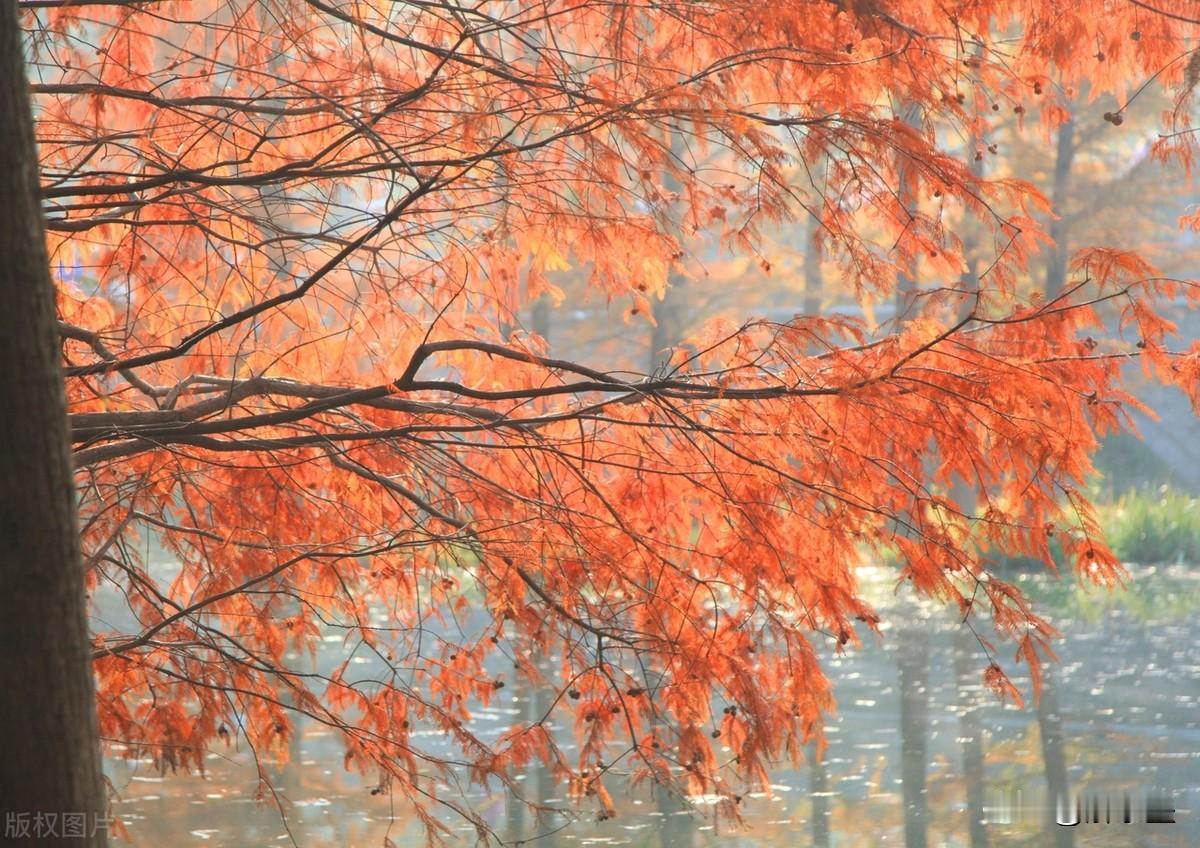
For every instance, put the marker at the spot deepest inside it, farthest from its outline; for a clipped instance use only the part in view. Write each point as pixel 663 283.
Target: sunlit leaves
pixel 295 241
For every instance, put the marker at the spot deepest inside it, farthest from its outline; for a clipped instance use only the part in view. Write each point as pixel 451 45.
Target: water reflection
pixel 818 791
pixel 912 656
pixel 914 754
pixel 968 658
pixel 1054 757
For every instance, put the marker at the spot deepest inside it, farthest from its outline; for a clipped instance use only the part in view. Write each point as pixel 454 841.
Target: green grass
pixel 1154 527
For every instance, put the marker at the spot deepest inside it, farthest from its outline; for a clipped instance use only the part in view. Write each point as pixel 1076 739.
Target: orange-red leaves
pixel 259 219
pixel 997 681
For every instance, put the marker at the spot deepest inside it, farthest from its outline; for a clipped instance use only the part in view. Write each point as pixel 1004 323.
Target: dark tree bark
pixel 49 757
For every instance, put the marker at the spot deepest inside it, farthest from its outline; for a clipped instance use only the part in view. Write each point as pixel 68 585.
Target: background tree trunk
pixel 906 284
pixel 1056 263
pixel 913 657
pixel 818 792
pixel 966 672
pixel 1054 757
pixel 814 285
pixel 50 761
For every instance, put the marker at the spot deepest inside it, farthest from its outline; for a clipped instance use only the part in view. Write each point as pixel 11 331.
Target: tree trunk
pixel 677 828
pixel 969 281
pixel 541 317
pixel 966 671
pixel 913 656
pixel 668 312
pixel 818 791
pixel 545 826
pixel 50 763
pixel 814 285
pixel 667 329
pixel 1054 757
pixel 906 283
pixel 515 804
pixel 1056 263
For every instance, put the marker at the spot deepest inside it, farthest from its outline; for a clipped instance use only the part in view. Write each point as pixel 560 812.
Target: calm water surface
pixel 918 754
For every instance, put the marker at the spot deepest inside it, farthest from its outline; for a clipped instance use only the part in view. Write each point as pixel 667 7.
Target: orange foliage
pixel 293 239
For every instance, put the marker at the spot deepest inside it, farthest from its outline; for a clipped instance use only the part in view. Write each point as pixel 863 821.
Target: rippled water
pixel 916 752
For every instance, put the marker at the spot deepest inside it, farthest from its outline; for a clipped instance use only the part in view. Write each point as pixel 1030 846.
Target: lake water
pixel 918 754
